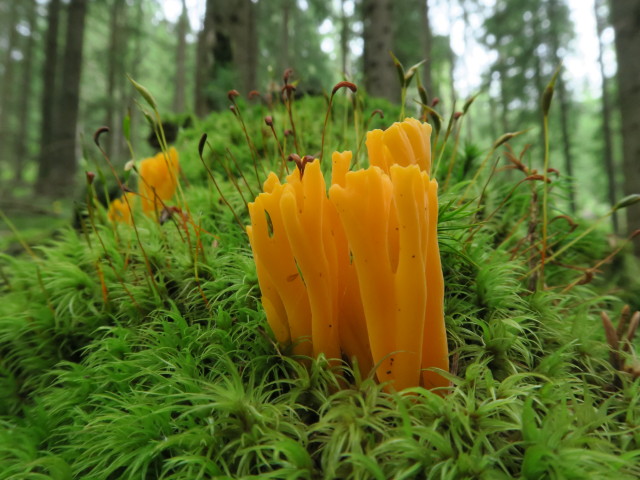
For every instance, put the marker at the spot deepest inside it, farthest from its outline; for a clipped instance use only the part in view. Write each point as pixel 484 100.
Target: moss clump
pixel 145 354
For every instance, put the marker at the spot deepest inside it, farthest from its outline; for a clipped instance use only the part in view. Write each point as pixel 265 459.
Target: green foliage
pixel 141 354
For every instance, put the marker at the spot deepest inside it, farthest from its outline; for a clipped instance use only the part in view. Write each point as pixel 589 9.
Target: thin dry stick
pixel 203 141
pixel 337 86
pixel 268 120
pixel 547 96
pixel 235 162
pixel 96 139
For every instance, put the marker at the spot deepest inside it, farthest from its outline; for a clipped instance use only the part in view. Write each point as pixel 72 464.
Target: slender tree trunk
pixel 537 73
pixel 625 17
pixel 236 42
pixel 451 55
pixel 24 109
pixel 244 43
pixel 204 63
pixel 504 100
pixel 137 36
pixel 117 44
pixel 379 72
pixel 181 53
pixel 251 73
pixel 7 104
pixel 61 178
pixel 566 138
pixel 469 115
pixel 284 57
pixel 452 74
pixel 564 101
pixel 493 116
pixel 8 63
pixel 425 41
pixel 606 119
pixel 344 40
pixel 49 75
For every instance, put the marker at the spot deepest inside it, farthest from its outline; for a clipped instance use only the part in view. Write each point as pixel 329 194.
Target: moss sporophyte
pixel 356 269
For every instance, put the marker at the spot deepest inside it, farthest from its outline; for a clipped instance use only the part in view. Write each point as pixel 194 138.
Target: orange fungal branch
pixel 357 269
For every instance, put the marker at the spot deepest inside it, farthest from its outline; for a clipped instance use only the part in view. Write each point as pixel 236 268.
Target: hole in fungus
pixel 269 224
pixel 300 271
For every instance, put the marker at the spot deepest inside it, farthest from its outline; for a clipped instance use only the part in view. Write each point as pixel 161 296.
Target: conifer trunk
pixel 49 76
pixel 284 60
pixel 204 61
pixel 610 169
pixel 564 102
pixel 7 106
pixel 625 17
pixel 62 159
pixel 181 53
pixel 380 75
pixel 426 41
pixel 344 40
pixel 26 92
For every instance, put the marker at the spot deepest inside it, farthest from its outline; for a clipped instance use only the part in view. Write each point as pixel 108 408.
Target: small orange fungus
pixel 120 208
pixel 158 179
pixel 356 270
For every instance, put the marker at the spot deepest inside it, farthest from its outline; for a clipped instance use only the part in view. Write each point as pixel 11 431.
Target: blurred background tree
pixel 625 15
pixel 64 64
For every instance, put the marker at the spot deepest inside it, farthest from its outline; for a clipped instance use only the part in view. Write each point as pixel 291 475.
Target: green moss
pixel 127 358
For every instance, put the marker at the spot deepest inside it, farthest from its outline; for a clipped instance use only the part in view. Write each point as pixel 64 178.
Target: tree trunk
pixel 467 41
pixel 493 116
pixel 537 72
pixel 137 40
pixel 204 62
pixel 625 16
pixel 181 53
pixel 246 44
pixel 564 109
pixel 236 42
pixel 380 75
pixel 504 100
pixel 566 138
pixel 24 109
pixel 451 55
pixel 426 41
pixel 284 60
pixel 252 71
pixel 117 45
pixel 49 72
pixel 344 40
pixel 61 178
pixel 452 73
pixel 7 104
pixel 606 119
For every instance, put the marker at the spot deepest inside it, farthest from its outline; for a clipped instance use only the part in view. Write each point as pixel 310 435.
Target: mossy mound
pixel 144 353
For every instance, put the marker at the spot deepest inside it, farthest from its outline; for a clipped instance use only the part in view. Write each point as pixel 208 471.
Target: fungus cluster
pixel 356 268
pixel 157 183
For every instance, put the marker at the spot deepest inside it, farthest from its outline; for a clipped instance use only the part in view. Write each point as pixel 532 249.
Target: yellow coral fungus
pixel 403 143
pixel 120 208
pixel 158 179
pixel 358 270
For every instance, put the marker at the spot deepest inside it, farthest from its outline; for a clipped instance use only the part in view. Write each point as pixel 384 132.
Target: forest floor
pixel 143 351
